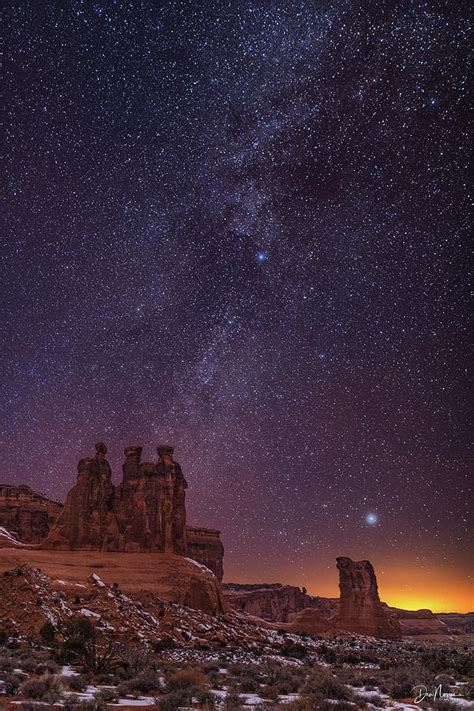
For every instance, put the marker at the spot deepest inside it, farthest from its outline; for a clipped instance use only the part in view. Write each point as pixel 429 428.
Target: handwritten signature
pixel 421 693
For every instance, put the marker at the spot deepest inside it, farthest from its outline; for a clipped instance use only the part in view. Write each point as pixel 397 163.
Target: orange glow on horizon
pixel 400 584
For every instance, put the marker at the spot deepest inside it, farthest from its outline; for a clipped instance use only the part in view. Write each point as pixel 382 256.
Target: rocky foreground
pixel 90 644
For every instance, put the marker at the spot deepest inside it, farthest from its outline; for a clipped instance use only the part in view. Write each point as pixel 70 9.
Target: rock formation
pixel 360 608
pixel 275 602
pixel 205 546
pixel 146 512
pixel 25 514
pixel 149 504
pixel 87 520
pixel 27 517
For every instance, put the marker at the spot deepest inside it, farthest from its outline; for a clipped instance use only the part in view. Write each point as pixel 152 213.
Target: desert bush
pixel 160 645
pixel 77 682
pixel 376 701
pixel 11 683
pixel 327 653
pixel 286 680
pixel 184 697
pixel 244 670
pixel 144 683
pixel 294 649
pixel 6 663
pixel 301 704
pixel 46 688
pixel 174 701
pixel 47 633
pixel 324 685
pixel 233 702
pixel 248 685
pixel 270 691
pixel 134 659
pixel 106 695
pixel 401 682
pixel 187 679
pixel 46 666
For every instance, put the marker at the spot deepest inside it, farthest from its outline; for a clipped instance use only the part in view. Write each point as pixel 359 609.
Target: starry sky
pixel 240 227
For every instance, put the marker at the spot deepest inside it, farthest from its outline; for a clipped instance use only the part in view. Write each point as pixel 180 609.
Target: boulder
pixel 360 609
pixel 187 582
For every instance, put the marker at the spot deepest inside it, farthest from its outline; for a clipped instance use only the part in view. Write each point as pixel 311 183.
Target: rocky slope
pixel 31 598
pixel 169 577
pixel 25 514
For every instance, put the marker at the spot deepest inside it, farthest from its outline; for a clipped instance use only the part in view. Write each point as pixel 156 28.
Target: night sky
pixel 240 228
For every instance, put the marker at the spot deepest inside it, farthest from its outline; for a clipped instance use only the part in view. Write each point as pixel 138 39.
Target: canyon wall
pixel 27 515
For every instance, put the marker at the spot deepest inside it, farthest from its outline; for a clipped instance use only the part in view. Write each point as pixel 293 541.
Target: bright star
pixel 371 519
pixel 261 257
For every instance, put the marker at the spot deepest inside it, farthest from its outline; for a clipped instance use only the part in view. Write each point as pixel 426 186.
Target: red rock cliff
pixel 205 546
pixel 360 608
pixel 27 514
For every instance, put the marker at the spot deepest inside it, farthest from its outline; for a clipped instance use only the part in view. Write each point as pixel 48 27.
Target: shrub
pixel 47 633
pixel 106 695
pixel 6 664
pixel 327 653
pixel 293 649
pixel 248 685
pixel 403 681
pixel 77 682
pixel 187 679
pixel 286 680
pixel 175 701
pixel 233 702
pixel 143 683
pixel 270 691
pixel 11 684
pixel 321 683
pixel 47 689
pixel 160 645
pixel 134 659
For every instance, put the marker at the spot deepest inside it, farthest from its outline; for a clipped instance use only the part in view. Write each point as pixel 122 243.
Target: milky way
pixel 238 227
